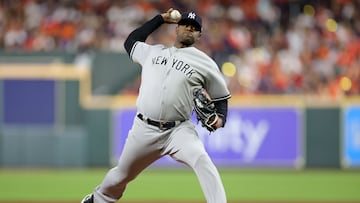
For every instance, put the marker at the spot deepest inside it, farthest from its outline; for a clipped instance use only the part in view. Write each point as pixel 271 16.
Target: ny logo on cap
pixel 192 15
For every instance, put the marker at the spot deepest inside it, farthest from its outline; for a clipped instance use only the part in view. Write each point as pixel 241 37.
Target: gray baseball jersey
pixel 169 77
pixel 164 68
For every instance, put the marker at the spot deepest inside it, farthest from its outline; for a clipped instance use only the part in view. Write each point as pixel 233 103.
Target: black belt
pixel 162 125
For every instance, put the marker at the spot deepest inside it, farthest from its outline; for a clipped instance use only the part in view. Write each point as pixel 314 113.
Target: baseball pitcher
pixel 174 81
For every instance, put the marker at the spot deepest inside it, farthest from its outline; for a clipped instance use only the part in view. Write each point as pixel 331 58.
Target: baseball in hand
pixel 175 14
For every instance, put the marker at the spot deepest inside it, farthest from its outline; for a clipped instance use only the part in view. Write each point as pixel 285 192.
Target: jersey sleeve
pixel 139 52
pixel 215 84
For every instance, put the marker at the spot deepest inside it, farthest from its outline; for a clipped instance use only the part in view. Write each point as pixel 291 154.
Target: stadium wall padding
pixel 323 133
pixel 80 135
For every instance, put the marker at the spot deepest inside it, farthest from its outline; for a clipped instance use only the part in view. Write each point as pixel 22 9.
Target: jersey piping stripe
pixel 222 98
pixel 132 50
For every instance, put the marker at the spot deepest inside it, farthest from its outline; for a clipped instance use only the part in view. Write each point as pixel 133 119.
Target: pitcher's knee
pixel 115 183
pixel 203 160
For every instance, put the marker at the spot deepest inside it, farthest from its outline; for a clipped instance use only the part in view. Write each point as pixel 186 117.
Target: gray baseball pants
pixel 146 144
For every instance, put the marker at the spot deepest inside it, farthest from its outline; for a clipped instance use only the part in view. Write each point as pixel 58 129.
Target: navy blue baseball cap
pixel 191 18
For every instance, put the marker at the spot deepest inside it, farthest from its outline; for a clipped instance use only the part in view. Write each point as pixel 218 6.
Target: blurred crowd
pixel 262 46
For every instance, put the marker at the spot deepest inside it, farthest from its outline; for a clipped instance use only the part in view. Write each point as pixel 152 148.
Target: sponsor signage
pixel 252 137
pixel 351 148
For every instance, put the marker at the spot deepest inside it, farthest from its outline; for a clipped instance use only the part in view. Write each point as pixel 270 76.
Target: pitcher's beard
pixel 188 42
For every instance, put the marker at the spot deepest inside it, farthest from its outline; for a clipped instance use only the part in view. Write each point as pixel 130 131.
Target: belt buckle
pixel 161 125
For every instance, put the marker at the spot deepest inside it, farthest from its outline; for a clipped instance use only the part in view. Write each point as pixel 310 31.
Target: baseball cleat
pixel 88 199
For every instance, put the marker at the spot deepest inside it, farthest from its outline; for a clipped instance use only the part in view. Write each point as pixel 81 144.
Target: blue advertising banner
pixel 352 137
pixel 251 137
pixel 28 102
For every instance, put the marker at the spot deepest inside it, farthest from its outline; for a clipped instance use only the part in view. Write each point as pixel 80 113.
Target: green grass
pixel 21 184
pixel 294 185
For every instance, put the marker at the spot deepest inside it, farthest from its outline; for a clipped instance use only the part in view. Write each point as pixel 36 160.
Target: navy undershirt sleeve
pixel 222 109
pixel 141 33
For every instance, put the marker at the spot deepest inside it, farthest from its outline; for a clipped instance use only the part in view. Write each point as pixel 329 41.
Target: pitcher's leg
pixel 185 146
pixel 114 184
pixel 138 153
pixel 210 180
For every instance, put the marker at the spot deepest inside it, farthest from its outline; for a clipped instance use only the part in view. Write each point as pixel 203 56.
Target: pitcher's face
pixel 187 35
